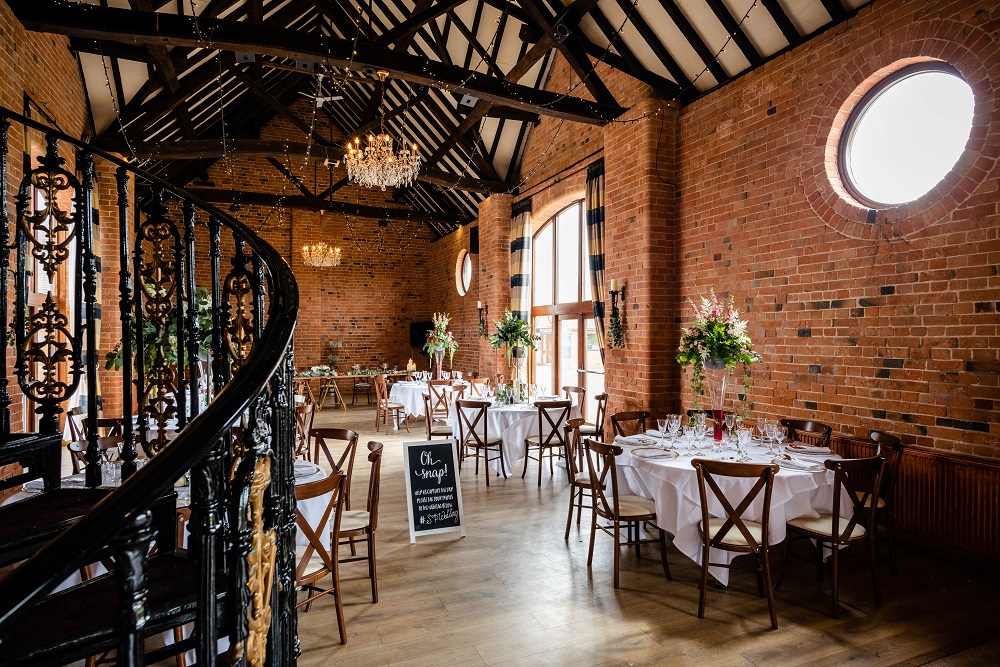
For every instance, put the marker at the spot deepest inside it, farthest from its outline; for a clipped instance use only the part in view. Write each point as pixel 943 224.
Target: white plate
pixel 800 466
pixel 654 453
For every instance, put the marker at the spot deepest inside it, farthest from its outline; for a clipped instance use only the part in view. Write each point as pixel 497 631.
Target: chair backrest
pixel 891 449
pixel 428 422
pixel 304 415
pixel 457 390
pixel 375 458
pixel 381 391
pixel 472 422
pixel 343 440
pixel 477 385
pixel 602 408
pixel 336 485
pixel 860 480
pixel 574 453
pixel 551 417
pixel 111 425
pixel 630 423
pixel 797 426
pixel 439 392
pixel 77 420
pixel 603 476
pixel 579 397
pixel 708 470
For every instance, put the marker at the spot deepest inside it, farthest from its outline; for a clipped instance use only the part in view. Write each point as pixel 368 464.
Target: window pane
pixel 541 268
pixel 568 255
pixel 467 272
pixel 569 353
pixel 594 382
pixel 544 363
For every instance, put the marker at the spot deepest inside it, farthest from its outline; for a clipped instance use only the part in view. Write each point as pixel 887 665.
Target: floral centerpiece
pixel 440 340
pixel 318 371
pixel 513 334
pixel 717 340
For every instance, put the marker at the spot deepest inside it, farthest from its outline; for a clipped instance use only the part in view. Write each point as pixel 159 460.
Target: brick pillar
pixel 494 269
pixel 640 246
pixel 107 249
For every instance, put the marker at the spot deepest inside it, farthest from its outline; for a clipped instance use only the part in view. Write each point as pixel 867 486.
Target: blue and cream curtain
pixel 520 259
pixel 594 204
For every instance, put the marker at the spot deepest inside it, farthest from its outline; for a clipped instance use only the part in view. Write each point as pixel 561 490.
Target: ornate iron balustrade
pixel 236 450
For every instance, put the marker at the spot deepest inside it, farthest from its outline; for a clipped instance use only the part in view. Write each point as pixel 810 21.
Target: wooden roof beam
pixel 131 27
pixel 725 17
pixel 694 39
pixel 792 35
pixel 417 20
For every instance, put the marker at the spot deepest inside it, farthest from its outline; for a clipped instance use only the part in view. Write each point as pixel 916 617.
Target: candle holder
pixel 616 332
pixel 484 310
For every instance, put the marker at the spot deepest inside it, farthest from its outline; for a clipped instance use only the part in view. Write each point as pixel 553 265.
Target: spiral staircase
pixel 225 590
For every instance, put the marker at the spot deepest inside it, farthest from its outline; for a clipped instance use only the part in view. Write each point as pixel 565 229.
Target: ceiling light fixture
pixel 320 255
pixel 377 165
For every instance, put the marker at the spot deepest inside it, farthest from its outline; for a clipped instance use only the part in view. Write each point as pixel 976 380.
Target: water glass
pixel 111 473
pixel 743 439
pixel 662 424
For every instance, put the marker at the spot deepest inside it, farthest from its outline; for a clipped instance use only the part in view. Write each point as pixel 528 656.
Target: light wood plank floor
pixel 513 592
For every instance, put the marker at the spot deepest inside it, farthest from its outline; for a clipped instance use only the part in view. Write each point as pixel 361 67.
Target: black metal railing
pixel 213 405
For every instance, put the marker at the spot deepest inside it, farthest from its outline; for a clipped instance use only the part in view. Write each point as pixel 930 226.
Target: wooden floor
pixel 513 592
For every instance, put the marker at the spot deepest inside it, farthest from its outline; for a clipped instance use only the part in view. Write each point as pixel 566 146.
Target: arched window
pixel 562 312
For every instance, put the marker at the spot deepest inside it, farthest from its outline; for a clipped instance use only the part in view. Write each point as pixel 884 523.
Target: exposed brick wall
pixel 891 325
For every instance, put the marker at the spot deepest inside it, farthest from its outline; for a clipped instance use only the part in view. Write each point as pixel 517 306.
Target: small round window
pixel 463 272
pixel 906 134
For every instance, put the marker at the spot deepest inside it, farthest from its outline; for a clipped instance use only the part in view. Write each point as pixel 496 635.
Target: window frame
pixel 858 112
pixel 460 286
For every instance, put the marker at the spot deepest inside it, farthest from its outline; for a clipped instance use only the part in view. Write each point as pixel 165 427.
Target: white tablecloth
pixel 410 396
pixel 512 423
pixel 673 486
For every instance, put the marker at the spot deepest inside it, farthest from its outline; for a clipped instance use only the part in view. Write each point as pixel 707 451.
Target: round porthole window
pixel 463 272
pixel 906 134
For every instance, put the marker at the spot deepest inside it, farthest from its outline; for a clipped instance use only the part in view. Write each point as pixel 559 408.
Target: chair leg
pixel 572 498
pixel 704 580
pixel 593 534
pixel 337 598
pixel 541 453
pixel 765 563
pixel 836 577
pixel 372 570
pixel 617 555
pixel 486 464
pixel 527 456
pixel 663 554
pixel 874 566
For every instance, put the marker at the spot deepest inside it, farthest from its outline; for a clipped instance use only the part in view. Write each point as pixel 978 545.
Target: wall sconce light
pixel 616 332
pixel 483 312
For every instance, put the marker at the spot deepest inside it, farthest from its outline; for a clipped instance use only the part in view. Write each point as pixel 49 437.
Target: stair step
pixel 83 620
pixel 27 525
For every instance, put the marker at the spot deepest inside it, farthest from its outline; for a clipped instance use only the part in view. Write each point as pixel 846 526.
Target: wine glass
pixel 699 433
pixel 743 438
pixel 730 422
pixel 674 426
pixel 780 433
pixel 662 423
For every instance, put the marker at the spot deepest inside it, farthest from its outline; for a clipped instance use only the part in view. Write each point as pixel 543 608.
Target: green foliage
pixel 616 332
pixel 511 332
pixel 439 339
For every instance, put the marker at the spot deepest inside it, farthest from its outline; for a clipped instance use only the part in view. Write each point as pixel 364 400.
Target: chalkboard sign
pixel 433 492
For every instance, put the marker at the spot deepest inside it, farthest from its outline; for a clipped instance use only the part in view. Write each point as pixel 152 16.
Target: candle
pixel 479 305
pixel 614 285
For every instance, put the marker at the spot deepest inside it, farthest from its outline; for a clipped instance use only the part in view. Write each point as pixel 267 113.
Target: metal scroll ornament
pixel 50 228
pixel 260 571
pixel 46 346
pixel 238 295
pixel 158 284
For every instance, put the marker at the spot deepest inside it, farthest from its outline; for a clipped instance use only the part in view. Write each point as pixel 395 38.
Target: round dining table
pixel 409 394
pixel 669 479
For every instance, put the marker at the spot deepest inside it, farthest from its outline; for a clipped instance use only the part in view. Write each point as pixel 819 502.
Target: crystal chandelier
pixel 377 165
pixel 320 255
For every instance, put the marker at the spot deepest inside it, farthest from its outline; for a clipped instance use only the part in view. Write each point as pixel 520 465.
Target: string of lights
pixel 114 102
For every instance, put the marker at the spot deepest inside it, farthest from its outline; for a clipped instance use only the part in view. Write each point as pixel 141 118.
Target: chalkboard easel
pixel 433 488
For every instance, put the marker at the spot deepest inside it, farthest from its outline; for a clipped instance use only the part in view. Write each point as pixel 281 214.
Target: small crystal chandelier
pixel 377 165
pixel 320 255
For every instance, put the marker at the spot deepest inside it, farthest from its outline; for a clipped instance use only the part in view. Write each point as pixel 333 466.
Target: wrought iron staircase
pixel 234 432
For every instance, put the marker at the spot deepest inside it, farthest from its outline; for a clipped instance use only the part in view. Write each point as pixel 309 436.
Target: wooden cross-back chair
pixel 76 418
pixel 362 524
pixel 858 480
pixel 596 430
pixel 345 443
pixel 473 432
pixel 78 450
pixel 891 449
pixel 630 422
pixel 314 560
pixel 732 532
pixel 440 395
pixel 477 385
pixel 304 415
pixel 618 508
pixel 432 428
pixel 579 397
pixel 819 430
pixel 576 468
pixel 386 408
pixel 552 416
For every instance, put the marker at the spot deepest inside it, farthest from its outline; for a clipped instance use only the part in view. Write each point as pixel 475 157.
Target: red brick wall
pixel 891 325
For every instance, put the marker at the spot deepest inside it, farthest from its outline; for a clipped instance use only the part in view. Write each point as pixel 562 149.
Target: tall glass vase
pixel 717 381
pixel 438 358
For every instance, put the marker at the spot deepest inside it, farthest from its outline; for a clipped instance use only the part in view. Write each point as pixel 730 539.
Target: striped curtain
pixel 520 259
pixel 594 204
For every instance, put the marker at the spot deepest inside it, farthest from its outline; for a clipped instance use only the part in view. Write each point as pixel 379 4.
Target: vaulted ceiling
pixel 179 84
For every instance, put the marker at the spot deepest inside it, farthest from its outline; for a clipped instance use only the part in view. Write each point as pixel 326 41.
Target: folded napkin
pixel 633 440
pixel 803 448
pixel 655 433
pixel 798 464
